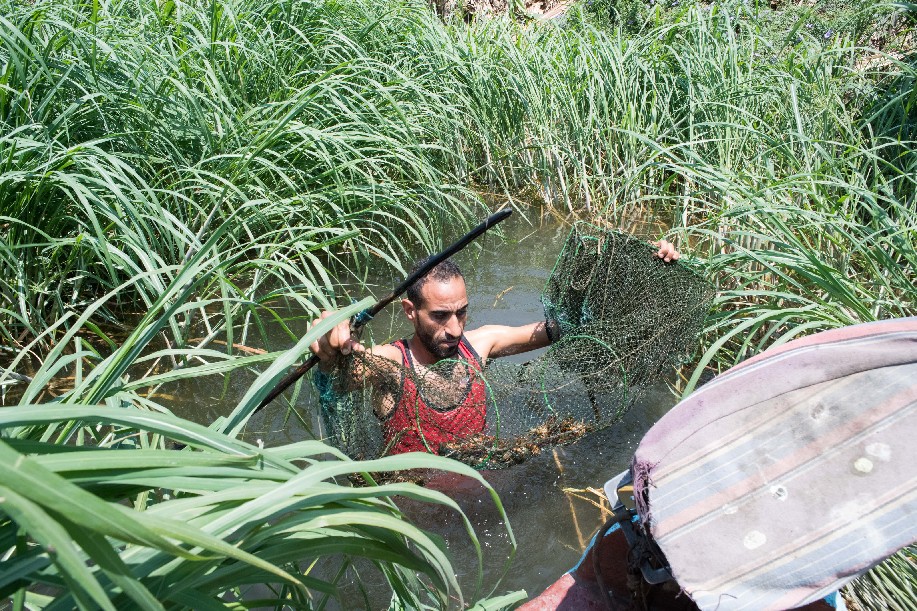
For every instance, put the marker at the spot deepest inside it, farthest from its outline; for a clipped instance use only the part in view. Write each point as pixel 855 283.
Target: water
pixel 552 513
pixel 551 526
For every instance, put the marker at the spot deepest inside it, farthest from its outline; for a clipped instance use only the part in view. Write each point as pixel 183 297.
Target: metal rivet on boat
pixel 754 539
pixel 863 465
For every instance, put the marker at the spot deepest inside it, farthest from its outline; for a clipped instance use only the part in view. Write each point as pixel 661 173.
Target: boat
pixel 770 487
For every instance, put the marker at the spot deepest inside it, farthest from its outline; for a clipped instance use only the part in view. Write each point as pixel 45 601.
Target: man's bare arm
pixel 492 341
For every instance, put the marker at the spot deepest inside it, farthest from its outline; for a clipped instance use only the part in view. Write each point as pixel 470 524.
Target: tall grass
pixel 124 522
pixel 191 166
pixel 788 163
pixel 129 131
pixel 99 508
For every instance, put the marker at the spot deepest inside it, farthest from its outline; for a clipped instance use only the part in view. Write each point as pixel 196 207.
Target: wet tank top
pixel 415 426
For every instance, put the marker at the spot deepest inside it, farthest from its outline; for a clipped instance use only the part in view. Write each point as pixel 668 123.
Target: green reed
pixel 108 500
pixel 328 134
pixel 206 168
pixel 129 131
pixel 788 166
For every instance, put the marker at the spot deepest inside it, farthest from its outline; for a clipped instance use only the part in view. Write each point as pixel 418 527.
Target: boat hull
pixel 579 589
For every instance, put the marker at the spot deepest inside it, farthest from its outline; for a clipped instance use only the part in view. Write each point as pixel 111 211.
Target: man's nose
pixel 454 327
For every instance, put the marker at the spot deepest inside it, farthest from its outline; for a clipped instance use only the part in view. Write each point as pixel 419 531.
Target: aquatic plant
pixel 327 134
pixel 294 142
pixel 130 130
pixel 122 520
pixel 108 500
pixel 891 585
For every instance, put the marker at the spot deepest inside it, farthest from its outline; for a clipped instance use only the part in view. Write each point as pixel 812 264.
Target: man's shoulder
pixel 388 351
pixel 482 338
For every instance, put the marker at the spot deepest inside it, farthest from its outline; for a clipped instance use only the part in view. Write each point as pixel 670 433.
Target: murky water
pixel 552 513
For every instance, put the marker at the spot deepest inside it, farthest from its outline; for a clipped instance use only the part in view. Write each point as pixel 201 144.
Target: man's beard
pixel 436 348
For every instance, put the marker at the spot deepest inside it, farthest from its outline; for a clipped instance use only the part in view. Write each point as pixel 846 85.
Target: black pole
pixel 366 315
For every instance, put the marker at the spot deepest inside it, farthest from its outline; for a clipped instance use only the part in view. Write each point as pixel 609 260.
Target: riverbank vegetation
pixel 328 135
pixel 174 177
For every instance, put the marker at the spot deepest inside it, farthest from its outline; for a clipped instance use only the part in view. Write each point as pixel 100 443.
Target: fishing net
pixel 622 319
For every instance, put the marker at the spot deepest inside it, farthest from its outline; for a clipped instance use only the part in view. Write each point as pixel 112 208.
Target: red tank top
pixel 416 427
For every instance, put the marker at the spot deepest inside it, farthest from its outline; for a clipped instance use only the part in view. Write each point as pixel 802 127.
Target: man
pixel 437 307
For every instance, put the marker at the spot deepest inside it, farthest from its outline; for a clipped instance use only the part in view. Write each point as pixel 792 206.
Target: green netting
pixel 625 319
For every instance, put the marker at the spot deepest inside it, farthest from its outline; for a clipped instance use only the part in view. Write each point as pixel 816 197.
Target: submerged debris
pixel 489 452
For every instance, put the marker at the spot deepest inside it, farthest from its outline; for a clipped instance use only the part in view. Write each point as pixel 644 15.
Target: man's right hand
pixel 333 344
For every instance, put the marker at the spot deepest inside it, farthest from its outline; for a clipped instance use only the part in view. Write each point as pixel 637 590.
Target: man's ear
pixel 410 310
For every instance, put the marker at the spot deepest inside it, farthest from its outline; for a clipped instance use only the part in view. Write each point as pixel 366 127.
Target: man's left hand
pixel 667 251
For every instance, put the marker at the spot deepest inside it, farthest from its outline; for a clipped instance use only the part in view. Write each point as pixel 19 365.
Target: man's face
pixel 439 321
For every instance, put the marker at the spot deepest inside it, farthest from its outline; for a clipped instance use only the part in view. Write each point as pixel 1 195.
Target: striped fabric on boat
pixel 791 474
